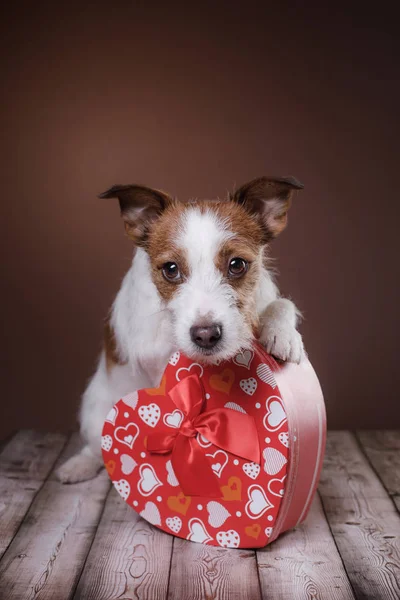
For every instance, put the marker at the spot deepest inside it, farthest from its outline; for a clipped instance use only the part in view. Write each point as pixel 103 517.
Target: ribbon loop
pixel 228 429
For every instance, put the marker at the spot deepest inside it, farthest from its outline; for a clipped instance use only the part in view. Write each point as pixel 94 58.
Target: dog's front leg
pixel 278 333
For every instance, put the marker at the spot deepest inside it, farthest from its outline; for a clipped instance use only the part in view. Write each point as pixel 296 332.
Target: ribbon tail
pixel 193 470
pixel 232 431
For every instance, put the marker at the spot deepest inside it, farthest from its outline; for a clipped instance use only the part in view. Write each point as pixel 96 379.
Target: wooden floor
pixel 82 541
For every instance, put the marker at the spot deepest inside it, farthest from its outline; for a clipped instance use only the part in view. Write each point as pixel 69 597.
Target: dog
pixel 199 282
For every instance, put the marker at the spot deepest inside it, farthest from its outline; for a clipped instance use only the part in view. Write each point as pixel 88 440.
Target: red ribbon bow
pixel 226 428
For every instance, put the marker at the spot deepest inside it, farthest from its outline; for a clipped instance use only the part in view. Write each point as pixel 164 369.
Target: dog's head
pixel 207 258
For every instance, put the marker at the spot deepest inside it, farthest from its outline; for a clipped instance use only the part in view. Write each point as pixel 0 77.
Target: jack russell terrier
pixel 199 282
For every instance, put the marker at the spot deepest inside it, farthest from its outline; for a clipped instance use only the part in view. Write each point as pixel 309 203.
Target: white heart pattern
pixel 171 477
pixel 276 415
pixel 252 470
pixel 268 532
pixel 217 514
pixel 127 435
pixel 198 532
pixel 185 371
pixel 151 514
pixel 123 488
pixel 274 461
pixel 106 442
pixel 280 489
pixel 202 441
pixel 173 419
pixel 148 481
pixel 131 400
pixel 112 415
pixel 128 464
pixel 243 359
pixel 249 385
pixel 266 375
pixel 174 359
pixel 283 437
pixel 258 502
pixel 221 460
pixel 228 539
pixel 150 414
pixel 174 524
pixel 234 406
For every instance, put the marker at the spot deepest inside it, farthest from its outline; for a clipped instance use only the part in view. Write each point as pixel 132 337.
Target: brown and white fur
pixel 154 315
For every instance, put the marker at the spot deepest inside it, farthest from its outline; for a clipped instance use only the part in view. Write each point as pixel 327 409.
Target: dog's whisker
pixel 158 312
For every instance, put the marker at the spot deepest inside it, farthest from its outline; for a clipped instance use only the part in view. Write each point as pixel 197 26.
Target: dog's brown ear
pixel 140 206
pixel 270 199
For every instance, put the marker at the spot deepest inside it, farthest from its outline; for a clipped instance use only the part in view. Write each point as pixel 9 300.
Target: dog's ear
pixel 140 206
pixel 270 199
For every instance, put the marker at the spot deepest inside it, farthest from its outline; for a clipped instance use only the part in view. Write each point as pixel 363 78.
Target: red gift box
pixel 226 455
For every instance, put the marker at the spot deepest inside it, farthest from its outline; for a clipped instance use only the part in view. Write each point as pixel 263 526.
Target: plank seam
pixel 258 574
pixel 337 547
pixel 170 567
pixel 35 495
pixel 365 454
pixel 78 579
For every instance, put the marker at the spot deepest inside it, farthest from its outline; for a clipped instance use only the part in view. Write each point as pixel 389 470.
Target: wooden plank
pixel 362 518
pixel 304 563
pixel 25 462
pixel 199 571
pixel 129 558
pixel 46 556
pixel 383 451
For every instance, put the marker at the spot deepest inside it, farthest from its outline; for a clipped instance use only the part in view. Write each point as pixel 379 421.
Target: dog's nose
pixel 206 336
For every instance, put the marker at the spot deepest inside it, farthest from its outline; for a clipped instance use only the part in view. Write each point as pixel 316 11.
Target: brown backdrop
pixel 193 102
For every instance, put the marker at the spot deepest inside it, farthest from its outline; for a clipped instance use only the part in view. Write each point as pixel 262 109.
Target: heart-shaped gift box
pixel 227 455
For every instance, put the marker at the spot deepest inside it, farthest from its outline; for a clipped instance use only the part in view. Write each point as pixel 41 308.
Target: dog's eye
pixel 171 272
pixel 237 267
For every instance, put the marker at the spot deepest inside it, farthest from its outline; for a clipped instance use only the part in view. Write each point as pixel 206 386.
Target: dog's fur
pixel 152 316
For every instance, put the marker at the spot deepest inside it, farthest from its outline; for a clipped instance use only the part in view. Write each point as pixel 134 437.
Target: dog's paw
pixel 283 342
pixel 78 468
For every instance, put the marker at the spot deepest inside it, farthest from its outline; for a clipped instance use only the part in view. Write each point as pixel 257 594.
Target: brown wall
pixel 195 102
